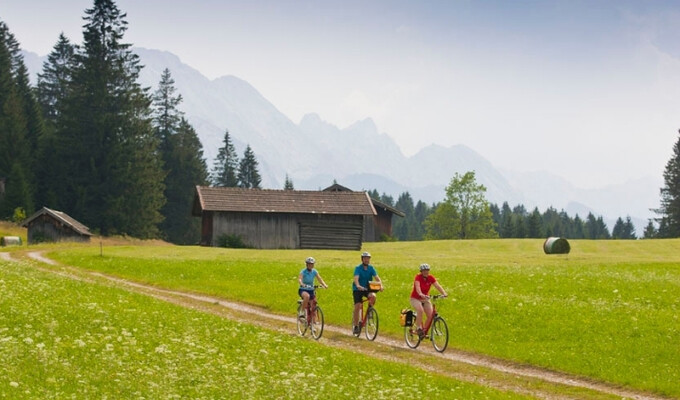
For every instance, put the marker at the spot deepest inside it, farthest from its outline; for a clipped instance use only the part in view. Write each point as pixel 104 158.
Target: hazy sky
pixel 589 90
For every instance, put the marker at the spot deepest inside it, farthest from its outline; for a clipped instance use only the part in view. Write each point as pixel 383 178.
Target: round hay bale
pixel 10 241
pixel 556 245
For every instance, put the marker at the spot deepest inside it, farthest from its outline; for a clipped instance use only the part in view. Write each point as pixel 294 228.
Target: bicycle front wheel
pixel 411 337
pixel 371 323
pixel 317 326
pixel 439 334
pixel 301 321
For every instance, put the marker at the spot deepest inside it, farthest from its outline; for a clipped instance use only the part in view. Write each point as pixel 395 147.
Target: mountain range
pixel 314 153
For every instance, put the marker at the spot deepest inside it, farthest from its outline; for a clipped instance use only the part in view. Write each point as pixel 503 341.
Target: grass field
pixel 61 338
pixel 610 310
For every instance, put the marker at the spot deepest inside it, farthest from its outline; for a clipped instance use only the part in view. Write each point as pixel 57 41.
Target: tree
pixel 225 168
pixel 186 169
pixel 465 214
pixel 650 230
pixel 288 185
pixel 623 230
pixel 183 162
pixel 248 175
pixel 52 90
pixel 113 180
pixel 669 212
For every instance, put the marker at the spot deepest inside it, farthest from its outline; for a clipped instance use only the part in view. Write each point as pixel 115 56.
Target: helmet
pixel 424 267
pixel 365 254
pixel 310 260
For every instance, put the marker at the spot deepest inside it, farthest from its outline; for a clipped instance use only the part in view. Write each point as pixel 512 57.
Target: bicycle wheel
pixel 301 321
pixel 317 326
pixel 439 334
pixel 371 323
pixel 411 337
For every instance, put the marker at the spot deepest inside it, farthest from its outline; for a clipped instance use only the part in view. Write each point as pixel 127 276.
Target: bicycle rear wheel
pixel 371 323
pixel 301 321
pixel 317 326
pixel 411 337
pixel 439 334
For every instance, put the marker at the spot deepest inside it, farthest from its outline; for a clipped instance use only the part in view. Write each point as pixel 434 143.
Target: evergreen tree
pixel 288 185
pixel 182 155
pixel 617 232
pixel 579 228
pixel 52 90
pixel 465 214
pixel 17 193
pixel 186 168
pixel 225 168
pixel 669 220
pixel 505 226
pixel 248 175
pixel 535 225
pixel 113 180
pixel 650 230
pixel 405 228
pixel 20 124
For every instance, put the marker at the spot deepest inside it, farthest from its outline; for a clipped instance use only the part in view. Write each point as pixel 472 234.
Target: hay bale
pixel 556 245
pixel 10 241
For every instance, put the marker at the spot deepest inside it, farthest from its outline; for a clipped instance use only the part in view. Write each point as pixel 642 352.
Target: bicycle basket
pixel 406 317
pixel 374 285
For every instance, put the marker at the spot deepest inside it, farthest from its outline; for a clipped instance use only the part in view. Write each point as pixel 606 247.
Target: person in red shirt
pixel 420 297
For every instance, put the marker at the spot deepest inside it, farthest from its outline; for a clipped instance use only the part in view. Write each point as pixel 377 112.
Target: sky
pixel 587 90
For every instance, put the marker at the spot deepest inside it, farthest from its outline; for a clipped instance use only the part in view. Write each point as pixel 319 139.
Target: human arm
pixel 418 289
pixel 356 283
pixel 320 279
pixel 440 288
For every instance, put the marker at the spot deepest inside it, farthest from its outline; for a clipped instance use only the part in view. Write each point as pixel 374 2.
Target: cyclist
pixel 363 273
pixel 306 281
pixel 420 298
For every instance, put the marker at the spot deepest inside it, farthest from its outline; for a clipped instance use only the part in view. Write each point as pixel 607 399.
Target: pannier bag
pixel 406 317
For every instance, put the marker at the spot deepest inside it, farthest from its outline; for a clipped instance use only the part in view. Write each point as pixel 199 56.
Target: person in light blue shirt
pixel 363 274
pixel 306 281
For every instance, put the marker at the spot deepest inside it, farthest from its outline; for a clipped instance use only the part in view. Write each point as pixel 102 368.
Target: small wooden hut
pixel 49 225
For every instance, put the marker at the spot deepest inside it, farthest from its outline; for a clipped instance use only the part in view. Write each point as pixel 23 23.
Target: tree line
pixel 90 141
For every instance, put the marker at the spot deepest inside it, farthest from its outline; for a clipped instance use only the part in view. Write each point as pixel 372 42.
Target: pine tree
pixel 288 184
pixel 113 180
pixel 183 162
pixel 248 175
pixel 650 230
pixel 669 220
pixel 617 232
pixel 225 168
pixel 52 90
pixel 186 169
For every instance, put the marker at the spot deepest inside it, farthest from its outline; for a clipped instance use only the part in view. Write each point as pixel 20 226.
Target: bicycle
pixel 368 319
pixel 311 318
pixel 439 336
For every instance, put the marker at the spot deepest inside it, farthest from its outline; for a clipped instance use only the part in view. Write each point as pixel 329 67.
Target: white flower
pixel 14 384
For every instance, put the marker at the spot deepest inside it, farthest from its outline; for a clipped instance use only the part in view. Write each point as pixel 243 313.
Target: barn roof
pixel 281 201
pixel 339 188
pixel 61 217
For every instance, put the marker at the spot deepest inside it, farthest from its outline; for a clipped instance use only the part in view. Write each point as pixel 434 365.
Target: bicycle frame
pixel 439 335
pixel 308 320
pixel 368 319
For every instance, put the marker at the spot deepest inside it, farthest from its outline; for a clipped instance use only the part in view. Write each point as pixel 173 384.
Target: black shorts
pixel 359 295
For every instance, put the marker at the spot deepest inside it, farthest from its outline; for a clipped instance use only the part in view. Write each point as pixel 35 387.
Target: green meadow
pixel 61 338
pixel 610 310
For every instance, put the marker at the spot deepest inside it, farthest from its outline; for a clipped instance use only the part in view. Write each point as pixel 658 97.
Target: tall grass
pixel 67 339
pixel 609 310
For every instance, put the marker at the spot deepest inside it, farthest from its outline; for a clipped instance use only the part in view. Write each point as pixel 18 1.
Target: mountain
pixel 314 153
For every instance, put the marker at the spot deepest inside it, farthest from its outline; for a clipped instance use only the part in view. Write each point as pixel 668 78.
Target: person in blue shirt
pixel 363 273
pixel 306 281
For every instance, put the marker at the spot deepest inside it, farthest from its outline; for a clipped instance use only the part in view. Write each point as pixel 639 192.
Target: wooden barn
pixel 375 226
pixel 48 225
pixel 283 219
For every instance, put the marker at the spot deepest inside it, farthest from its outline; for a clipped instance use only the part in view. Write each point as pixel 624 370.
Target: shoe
pixel 421 334
pixel 356 330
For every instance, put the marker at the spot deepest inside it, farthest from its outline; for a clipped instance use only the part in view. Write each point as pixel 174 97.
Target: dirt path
pixel 505 375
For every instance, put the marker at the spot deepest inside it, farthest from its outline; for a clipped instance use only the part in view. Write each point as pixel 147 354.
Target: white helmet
pixel 365 254
pixel 310 260
pixel 424 267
